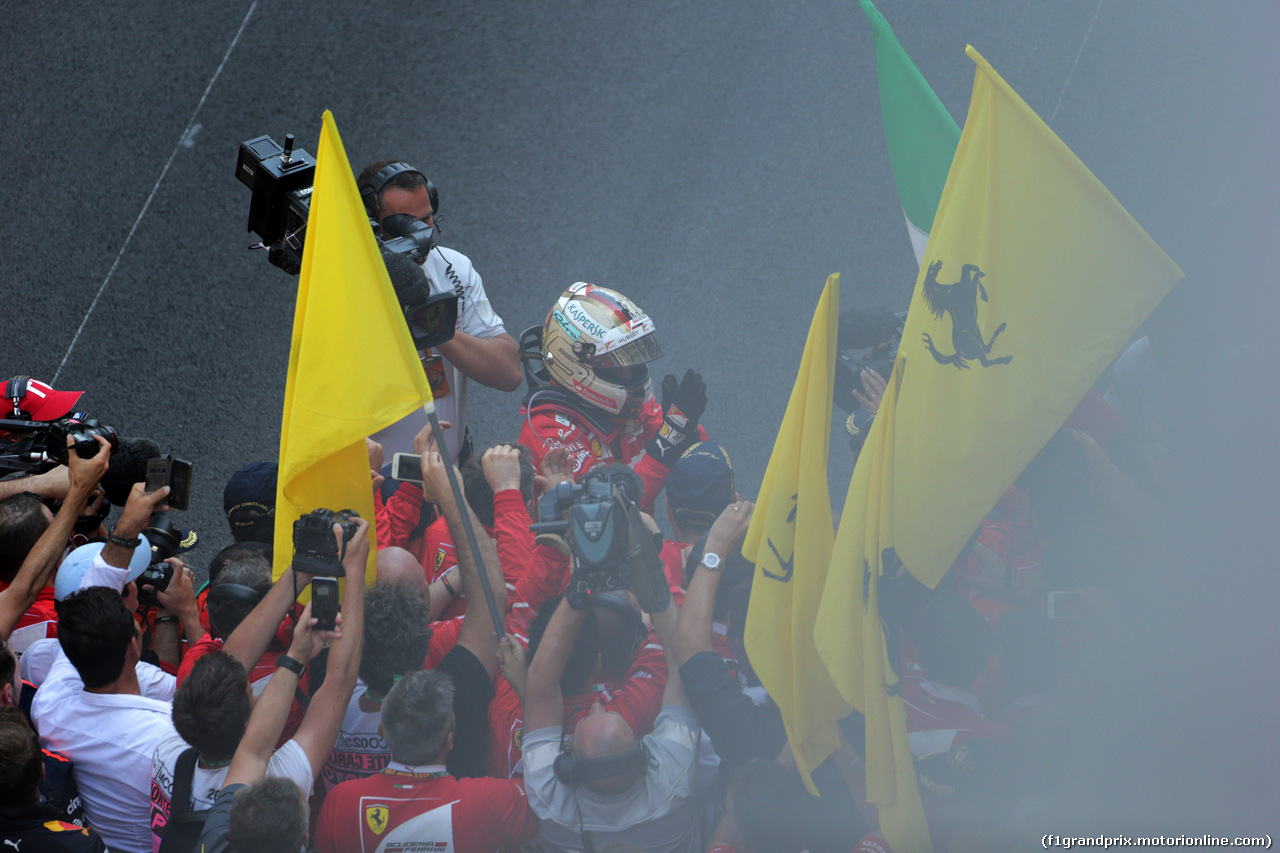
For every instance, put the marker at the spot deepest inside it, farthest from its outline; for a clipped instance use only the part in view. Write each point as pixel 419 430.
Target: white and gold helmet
pixel 596 343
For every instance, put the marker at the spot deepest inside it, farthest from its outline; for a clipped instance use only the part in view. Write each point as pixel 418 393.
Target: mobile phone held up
pixel 324 603
pixel 407 467
pixel 174 473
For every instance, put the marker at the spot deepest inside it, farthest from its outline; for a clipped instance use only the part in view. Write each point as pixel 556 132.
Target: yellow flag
pixel 1033 279
pixel 1038 279
pixel 856 630
pixel 353 368
pixel 790 542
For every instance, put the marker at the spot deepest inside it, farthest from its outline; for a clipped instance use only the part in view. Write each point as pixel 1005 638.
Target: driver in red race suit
pixel 593 394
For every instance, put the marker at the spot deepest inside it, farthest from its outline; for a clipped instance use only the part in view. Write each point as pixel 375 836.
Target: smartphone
pixel 1067 605
pixel 324 602
pixel 406 466
pixel 174 473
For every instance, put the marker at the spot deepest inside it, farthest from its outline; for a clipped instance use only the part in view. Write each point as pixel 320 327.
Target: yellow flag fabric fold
pixel 1033 279
pixel 353 369
pixel 790 542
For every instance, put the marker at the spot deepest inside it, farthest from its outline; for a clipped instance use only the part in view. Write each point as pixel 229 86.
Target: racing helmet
pixel 596 343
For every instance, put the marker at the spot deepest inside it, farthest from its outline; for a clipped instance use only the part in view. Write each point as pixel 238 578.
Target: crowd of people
pixel 140 713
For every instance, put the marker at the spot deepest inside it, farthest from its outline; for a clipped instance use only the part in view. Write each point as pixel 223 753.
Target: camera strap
pixel 648 578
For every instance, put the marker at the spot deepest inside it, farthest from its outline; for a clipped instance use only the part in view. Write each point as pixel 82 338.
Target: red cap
pixel 41 402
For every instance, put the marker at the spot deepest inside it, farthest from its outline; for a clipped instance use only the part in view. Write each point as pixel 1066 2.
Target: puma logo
pixel 14 843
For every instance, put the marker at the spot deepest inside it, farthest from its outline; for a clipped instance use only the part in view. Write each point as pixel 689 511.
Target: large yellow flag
pixel 353 368
pixel 790 542
pixel 1038 280
pixel 1033 279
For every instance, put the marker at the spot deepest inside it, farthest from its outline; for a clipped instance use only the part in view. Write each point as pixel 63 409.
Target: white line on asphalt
pixel 187 134
pixel 1067 82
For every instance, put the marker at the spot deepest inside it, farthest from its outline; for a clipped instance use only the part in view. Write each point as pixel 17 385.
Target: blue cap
pixel 700 484
pixel 73 568
pixel 250 493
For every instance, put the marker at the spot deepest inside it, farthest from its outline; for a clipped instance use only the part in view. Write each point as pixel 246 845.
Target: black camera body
pixel 314 549
pixel 603 530
pixel 281 181
pixel 166 542
pixel 39 446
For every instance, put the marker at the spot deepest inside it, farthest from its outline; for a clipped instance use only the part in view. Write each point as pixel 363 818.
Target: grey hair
pixel 417 716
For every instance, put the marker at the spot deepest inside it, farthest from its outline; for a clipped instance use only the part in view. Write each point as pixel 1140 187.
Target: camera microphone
pixel 128 465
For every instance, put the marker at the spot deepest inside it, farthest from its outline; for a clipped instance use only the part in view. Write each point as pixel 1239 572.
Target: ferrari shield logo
pixel 376 817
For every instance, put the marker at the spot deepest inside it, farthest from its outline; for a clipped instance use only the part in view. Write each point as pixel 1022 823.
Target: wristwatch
pixel 120 541
pixel 712 561
pixel 292 664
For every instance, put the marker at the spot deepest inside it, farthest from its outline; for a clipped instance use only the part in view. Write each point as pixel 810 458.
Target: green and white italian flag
pixel 921 134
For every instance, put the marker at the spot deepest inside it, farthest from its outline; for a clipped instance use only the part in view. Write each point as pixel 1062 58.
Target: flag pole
pixel 438 431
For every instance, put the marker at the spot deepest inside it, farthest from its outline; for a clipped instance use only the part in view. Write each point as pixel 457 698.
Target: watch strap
pixel 293 665
pixel 124 543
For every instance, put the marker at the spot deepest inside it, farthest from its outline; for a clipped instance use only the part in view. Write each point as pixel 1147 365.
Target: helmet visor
pixel 640 351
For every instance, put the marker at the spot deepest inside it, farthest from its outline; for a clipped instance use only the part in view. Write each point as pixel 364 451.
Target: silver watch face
pixel 711 561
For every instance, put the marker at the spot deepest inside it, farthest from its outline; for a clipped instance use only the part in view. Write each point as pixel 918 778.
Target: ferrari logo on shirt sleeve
pixel 376 817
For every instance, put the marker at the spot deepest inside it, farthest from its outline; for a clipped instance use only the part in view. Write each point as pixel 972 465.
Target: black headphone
pixel 576 771
pixel 225 593
pixel 15 390
pixel 371 187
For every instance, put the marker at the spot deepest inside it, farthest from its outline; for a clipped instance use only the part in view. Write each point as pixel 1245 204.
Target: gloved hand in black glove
pixel 682 406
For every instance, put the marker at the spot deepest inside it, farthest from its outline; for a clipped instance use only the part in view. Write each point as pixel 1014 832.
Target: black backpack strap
pixel 183 776
pixel 180 803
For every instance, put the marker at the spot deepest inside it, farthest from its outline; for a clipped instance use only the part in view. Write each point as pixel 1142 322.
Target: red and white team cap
pixel 39 401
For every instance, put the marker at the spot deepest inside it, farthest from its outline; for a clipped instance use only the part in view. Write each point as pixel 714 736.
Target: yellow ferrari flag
pixel 790 542
pixel 856 630
pixel 1033 279
pixel 1036 282
pixel 353 368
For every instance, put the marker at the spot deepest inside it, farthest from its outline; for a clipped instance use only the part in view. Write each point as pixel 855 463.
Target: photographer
pixel 480 348
pixel 256 812
pixel 603 784
pixel 18 592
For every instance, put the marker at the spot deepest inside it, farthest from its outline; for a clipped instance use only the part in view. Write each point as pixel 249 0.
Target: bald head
pixel 398 566
pixel 604 734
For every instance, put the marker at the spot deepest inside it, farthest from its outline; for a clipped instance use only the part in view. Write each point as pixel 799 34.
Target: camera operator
pixel 603 784
pixel 480 348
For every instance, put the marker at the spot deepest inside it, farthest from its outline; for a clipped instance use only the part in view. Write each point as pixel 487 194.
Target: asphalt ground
pixel 714 160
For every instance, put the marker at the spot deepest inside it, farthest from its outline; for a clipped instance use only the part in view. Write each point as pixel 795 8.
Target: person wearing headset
pixel 480 348
pixel 601 783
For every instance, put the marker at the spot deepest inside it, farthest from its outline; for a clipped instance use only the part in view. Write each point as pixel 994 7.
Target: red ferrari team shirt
pixel 407 809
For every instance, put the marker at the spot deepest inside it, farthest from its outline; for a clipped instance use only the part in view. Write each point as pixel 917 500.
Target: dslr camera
pixel 281 180
pixel 611 547
pixel 314 549
pixel 166 542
